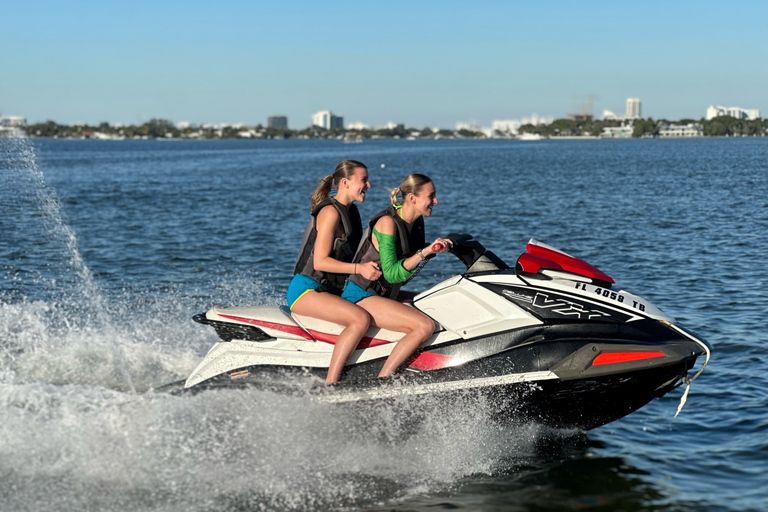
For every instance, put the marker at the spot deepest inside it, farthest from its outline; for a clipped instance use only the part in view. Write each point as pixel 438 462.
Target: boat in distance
pixel 548 340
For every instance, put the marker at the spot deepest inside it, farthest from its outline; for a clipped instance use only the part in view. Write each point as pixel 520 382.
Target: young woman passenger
pixel 396 243
pixel 325 260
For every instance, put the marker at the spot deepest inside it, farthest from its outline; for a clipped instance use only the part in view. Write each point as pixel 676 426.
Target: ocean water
pixel 107 248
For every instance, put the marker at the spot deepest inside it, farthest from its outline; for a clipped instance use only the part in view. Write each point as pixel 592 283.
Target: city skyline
pixel 328 120
pixel 427 64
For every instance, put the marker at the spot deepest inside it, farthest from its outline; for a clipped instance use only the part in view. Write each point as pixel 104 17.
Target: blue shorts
pixel 300 284
pixel 354 293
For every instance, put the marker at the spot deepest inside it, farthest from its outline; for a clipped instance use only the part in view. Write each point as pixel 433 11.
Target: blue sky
pixel 419 63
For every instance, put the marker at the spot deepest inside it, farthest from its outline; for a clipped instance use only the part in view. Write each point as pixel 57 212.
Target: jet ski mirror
pixel 477 258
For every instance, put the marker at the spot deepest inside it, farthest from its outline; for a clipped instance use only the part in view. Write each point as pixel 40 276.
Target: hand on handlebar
pixel 440 245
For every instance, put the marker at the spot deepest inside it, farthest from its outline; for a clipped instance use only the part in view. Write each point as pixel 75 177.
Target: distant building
pixel 633 112
pixel 633 108
pixel 11 127
pixel 279 122
pixel 327 119
pixel 617 132
pixel 358 126
pixel 509 127
pixel 738 113
pixel 608 115
pixel 322 119
pixel 680 131
pixel 536 119
pixel 512 126
pixel 12 121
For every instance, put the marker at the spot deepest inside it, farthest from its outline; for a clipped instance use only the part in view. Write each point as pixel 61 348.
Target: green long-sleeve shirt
pixel 392 267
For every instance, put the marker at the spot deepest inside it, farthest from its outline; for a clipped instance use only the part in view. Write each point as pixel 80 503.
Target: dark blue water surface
pixel 107 248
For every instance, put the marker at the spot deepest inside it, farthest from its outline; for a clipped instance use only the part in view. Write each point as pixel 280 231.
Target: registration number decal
pixel 610 294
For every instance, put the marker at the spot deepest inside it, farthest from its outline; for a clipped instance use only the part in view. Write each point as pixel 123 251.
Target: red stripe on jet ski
pixel 623 357
pixel 309 334
pixel 432 361
pixel 290 329
pixel 366 342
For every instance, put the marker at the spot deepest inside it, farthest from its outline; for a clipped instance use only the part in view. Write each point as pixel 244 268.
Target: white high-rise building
pixel 327 119
pixel 633 108
pixel 322 119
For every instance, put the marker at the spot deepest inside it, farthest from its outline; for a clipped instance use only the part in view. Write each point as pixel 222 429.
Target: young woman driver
pixel 325 260
pixel 396 243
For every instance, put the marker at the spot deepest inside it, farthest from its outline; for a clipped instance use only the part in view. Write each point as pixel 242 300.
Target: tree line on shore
pixel 723 126
pixel 160 128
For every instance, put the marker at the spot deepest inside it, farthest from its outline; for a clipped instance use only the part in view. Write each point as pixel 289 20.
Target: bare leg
pixel 392 315
pixel 332 308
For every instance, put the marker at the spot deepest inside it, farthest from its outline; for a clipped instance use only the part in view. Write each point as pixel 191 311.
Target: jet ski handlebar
pixel 477 258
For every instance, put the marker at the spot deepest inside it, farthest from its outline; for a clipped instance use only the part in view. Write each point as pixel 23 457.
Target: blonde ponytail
pixel 393 196
pixel 412 184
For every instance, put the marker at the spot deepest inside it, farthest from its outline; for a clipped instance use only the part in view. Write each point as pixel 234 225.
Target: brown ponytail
pixel 345 169
pixel 322 191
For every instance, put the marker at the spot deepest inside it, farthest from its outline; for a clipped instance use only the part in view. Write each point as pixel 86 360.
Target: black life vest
pixel 346 238
pixel 408 239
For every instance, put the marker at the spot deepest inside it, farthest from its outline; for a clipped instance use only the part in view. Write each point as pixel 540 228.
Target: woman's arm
pixel 384 240
pixel 325 224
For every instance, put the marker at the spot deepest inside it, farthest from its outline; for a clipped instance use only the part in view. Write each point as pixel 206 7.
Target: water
pixel 108 248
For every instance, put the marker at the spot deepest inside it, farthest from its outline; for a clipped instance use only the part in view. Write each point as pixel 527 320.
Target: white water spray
pixel 20 163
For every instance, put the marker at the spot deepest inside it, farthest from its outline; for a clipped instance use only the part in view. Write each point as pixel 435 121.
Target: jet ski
pixel 549 339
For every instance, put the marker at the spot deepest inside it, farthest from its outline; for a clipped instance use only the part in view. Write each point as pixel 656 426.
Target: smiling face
pixel 425 199
pixel 355 187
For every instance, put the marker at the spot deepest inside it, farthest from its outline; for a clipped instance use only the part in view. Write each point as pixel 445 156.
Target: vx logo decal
pixel 567 308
